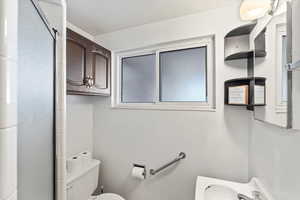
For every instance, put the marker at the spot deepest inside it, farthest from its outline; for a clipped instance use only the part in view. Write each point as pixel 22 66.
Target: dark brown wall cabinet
pixel 88 66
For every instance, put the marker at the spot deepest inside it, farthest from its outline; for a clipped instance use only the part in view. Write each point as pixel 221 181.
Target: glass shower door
pixel 36 129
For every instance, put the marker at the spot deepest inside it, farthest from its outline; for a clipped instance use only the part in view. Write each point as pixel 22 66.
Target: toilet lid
pixel 110 196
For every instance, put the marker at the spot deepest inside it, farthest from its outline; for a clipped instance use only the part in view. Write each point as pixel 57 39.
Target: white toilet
pixel 82 179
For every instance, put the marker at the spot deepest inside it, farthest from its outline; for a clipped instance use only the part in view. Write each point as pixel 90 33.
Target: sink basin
pixel 220 192
pixel 217 189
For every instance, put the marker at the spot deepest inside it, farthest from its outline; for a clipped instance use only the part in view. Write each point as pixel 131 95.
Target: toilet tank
pixel 82 177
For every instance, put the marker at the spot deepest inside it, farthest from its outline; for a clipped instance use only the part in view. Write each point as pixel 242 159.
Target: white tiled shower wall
pixel 8 99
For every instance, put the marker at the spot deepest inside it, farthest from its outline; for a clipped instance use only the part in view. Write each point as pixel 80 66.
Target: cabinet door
pixel 76 63
pixel 101 71
pixel 78 49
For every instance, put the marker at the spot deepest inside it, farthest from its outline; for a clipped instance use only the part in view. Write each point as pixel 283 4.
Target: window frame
pixel 209 105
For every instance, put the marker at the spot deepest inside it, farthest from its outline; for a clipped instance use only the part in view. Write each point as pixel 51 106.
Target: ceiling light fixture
pixel 255 9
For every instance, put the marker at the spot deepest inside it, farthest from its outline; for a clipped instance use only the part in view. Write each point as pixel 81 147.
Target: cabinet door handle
pixel 89 82
pixel 92 81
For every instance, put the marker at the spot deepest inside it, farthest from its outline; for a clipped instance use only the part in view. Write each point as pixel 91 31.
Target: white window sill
pixel 205 108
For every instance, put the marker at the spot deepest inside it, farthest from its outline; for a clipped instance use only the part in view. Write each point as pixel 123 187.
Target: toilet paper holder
pixel 141 166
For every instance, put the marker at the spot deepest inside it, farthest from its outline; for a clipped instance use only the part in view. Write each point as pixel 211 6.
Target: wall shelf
pixel 250 83
pixel 237 46
pixel 246 55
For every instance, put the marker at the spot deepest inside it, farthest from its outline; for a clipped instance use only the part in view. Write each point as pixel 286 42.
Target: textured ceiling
pixel 99 16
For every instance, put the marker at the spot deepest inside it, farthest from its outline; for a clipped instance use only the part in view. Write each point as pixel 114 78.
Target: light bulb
pixel 254 9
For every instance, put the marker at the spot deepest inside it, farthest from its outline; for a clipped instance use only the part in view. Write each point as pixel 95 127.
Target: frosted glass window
pixel 183 75
pixel 284 70
pixel 138 79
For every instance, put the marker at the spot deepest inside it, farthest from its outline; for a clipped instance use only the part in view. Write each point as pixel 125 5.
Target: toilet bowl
pixel 82 179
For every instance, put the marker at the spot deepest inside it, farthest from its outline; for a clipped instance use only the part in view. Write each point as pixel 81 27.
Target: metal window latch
pixel 293 66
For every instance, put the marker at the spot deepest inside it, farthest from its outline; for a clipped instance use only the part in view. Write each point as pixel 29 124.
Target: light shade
pixel 254 9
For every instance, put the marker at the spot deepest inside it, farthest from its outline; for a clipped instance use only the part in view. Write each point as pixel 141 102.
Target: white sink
pixel 220 192
pixel 217 189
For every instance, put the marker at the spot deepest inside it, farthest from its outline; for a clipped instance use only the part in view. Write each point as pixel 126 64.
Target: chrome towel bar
pixel 180 157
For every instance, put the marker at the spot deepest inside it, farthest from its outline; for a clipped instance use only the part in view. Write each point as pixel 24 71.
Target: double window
pixel 171 76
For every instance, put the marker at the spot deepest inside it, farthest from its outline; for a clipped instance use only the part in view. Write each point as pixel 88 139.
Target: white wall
pixel 274 159
pixel 79 125
pixel 216 143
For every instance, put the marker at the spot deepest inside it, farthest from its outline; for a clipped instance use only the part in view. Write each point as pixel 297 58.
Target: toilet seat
pixel 109 196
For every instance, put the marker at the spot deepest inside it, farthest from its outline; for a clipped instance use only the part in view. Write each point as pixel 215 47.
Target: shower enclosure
pixel 36 104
